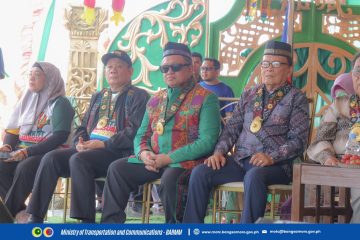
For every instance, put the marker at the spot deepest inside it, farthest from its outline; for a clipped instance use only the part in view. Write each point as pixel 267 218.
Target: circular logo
pixel 36 232
pixel 196 231
pixel 48 232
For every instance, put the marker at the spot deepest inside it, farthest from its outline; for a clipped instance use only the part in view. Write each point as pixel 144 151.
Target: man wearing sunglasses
pixel 210 71
pixel 269 129
pixel 179 130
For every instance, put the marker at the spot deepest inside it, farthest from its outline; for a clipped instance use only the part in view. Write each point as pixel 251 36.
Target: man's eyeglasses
pixel 206 69
pixel 174 67
pixel 266 64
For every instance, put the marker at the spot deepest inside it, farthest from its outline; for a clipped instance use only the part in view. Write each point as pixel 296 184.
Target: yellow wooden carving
pixel 83 56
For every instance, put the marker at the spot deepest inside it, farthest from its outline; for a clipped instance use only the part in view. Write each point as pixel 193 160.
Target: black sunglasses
pixel 174 67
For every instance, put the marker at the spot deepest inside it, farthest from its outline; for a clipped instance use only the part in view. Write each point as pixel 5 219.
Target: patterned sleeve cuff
pixel 142 150
pixel 323 155
pixel 220 150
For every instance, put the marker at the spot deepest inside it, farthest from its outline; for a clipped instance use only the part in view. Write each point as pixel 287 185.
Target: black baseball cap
pixel 120 54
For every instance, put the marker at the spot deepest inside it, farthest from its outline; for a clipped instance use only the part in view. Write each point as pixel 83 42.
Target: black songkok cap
pixel 173 48
pixel 279 49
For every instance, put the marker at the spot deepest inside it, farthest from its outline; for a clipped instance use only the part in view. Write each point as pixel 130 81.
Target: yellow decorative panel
pixel 83 56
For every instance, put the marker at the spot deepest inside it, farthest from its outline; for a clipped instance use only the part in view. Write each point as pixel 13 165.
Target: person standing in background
pixel 196 60
pixel 210 71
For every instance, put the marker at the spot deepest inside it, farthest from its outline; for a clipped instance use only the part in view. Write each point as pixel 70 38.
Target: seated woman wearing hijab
pixel 341 89
pixel 333 133
pixel 40 123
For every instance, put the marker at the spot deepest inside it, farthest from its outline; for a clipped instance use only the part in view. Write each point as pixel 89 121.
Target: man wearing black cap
pixel 269 129
pixel 179 130
pixel 106 134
